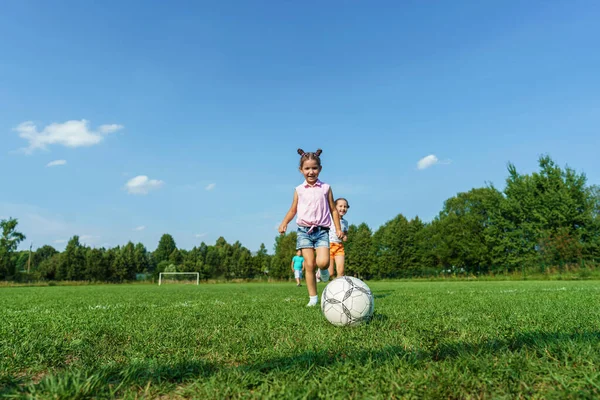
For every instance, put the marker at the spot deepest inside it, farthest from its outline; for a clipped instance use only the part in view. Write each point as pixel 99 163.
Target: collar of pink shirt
pixel 318 183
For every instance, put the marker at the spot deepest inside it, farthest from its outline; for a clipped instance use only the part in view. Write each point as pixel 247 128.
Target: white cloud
pixel 139 228
pixel 429 161
pixel 60 241
pixel 56 163
pixel 109 128
pixel 210 186
pixel 142 185
pixel 71 133
pixel 201 235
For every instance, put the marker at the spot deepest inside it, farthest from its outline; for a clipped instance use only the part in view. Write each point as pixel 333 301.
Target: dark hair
pixel 341 198
pixel 310 156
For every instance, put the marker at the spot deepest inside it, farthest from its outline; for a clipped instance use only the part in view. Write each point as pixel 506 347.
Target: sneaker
pixel 324 275
pixel 313 301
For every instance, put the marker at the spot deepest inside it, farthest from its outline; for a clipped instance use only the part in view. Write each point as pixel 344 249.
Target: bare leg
pixel 339 264
pixel 332 265
pixel 323 257
pixel 309 264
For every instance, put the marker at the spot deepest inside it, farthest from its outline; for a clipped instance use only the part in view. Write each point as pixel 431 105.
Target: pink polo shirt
pixel 313 205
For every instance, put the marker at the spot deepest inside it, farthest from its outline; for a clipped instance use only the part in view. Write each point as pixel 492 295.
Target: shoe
pixel 312 304
pixel 324 275
pixel 298 285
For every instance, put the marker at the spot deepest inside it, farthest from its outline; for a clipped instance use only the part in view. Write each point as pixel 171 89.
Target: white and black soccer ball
pixel 347 301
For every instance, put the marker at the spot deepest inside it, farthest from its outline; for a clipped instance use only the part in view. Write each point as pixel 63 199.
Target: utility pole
pixel 29 260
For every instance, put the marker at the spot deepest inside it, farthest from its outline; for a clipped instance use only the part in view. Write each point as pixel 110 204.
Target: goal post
pixel 196 274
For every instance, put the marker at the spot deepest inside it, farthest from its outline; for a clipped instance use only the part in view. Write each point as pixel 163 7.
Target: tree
pixel 73 260
pixel 540 205
pixel 261 260
pixel 427 240
pixel 390 245
pixel 358 249
pixel 416 250
pixel 96 266
pixel 161 267
pixel 109 258
pixel 224 252
pixel 46 270
pixel 166 246
pixel 465 229
pixel 171 268
pixel 175 257
pixel 203 266
pixel 129 259
pixel 285 250
pixel 8 244
pixel 140 259
pixel 591 235
pixel 21 261
pixel 244 264
pixel 560 248
pixel 119 267
pixel 192 262
pixel 238 261
pixel 41 254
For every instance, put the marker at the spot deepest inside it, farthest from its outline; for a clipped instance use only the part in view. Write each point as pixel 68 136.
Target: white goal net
pixel 179 277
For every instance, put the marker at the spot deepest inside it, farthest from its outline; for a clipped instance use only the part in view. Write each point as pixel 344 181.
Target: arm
pixel 334 215
pixel 290 214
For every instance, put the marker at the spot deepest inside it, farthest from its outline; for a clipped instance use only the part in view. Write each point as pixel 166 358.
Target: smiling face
pixel 311 169
pixel 341 205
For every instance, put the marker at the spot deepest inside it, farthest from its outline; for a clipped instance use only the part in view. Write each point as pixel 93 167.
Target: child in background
pixel 313 202
pixel 298 266
pixel 337 254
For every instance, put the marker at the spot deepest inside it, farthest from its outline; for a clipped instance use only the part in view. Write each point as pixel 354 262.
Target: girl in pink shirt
pixel 313 202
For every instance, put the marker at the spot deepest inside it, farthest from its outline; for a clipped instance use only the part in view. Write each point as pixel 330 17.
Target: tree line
pixel 547 219
pixel 130 262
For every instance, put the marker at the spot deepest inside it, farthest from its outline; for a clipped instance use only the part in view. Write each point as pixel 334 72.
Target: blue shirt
pixel 298 260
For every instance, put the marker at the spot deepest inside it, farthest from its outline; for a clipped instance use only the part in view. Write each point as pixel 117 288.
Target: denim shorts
pixel 318 237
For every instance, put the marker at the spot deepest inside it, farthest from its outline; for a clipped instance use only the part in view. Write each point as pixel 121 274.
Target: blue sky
pixel 184 117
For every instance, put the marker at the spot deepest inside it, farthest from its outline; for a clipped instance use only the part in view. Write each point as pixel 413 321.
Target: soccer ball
pixel 347 301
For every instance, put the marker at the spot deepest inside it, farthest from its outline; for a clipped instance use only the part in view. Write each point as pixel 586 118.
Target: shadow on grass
pixel 9 384
pixel 111 380
pixel 379 318
pixel 532 341
pixel 380 294
pixel 535 341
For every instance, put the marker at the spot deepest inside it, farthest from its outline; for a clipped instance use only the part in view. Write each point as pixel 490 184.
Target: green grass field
pixel 427 340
